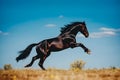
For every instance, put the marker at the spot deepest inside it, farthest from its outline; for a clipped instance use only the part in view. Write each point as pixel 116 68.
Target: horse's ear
pixel 83 22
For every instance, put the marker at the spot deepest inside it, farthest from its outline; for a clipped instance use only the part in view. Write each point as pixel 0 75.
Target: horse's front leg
pixel 85 48
pixel 80 45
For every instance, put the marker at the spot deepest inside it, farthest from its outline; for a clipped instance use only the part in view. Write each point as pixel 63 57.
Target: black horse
pixel 65 40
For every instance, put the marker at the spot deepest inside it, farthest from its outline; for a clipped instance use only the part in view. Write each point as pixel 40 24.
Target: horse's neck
pixel 72 31
pixel 68 34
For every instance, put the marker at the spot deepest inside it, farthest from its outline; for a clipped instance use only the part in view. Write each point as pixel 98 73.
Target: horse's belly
pixel 54 48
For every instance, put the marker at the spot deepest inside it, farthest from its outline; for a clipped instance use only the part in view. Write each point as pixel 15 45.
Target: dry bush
pixel 7 67
pixel 79 64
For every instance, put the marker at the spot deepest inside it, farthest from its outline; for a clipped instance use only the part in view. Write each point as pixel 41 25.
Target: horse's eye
pixel 83 28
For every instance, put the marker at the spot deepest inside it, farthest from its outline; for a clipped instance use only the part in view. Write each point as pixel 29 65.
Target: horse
pixel 66 39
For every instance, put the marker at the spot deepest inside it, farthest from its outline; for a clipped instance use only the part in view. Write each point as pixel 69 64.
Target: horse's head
pixel 74 28
pixel 83 29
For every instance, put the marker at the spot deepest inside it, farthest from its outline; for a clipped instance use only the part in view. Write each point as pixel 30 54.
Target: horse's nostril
pixel 87 35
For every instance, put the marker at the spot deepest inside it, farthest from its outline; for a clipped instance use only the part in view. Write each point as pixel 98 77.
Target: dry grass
pixel 54 74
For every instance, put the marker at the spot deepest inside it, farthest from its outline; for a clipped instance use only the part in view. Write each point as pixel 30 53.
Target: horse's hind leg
pixel 33 59
pixel 42 59
pixel 41 62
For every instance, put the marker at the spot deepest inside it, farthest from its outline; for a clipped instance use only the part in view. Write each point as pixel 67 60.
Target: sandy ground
pixel 55 74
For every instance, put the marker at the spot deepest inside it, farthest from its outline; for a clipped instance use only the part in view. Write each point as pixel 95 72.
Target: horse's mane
pixel 69 26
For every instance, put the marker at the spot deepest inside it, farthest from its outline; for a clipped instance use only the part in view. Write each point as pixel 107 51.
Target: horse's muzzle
pixel 86 35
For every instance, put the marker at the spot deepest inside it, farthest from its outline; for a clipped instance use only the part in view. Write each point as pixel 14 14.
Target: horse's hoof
pixel 17 59
pixel 87 51
pixel 42 67
pixel 27 66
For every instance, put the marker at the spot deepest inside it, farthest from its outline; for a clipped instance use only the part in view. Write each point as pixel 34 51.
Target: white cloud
pixel 101 34
pixel 3 33
pixel 109 29
pixel 50 25
pixel 104 32
pixel 61 16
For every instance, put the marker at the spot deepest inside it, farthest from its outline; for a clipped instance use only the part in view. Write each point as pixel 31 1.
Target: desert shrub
pixel 79 64
pixel 113 67
pixel 7 67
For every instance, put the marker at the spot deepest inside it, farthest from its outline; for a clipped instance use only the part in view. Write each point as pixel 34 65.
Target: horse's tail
pixel 25 53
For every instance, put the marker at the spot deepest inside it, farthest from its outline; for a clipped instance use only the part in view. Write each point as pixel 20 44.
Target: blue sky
pixel 23 22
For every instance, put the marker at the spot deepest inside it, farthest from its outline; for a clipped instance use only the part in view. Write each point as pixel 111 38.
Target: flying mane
pixel 69 26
